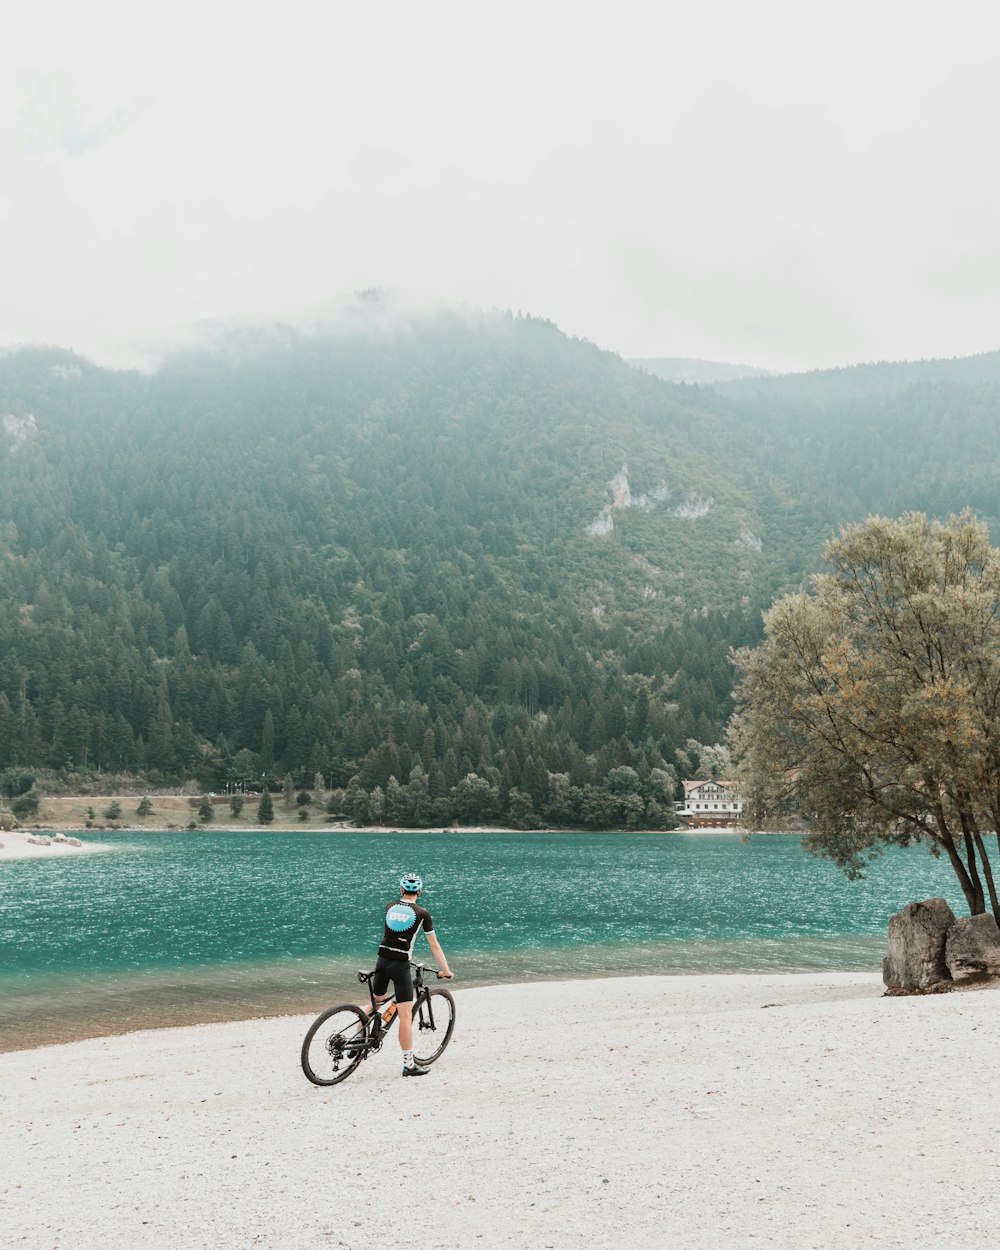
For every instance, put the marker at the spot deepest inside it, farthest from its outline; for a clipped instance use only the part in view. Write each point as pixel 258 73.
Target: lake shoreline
pixel 715 1109
pixel 183 928
pixel 48 828
pixel 80 814
pixel 138 1007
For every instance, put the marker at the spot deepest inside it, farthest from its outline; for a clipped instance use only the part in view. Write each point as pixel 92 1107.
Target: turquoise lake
pixel 170 928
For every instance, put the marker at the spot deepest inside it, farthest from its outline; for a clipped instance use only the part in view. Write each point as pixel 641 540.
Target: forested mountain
pixel 881 438
pixel 698 372
pixel 824 388
pixel 466 568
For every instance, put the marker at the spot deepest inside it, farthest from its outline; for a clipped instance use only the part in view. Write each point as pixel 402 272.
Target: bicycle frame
pixel 377 1029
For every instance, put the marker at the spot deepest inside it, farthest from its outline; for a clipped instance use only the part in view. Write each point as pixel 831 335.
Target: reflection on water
pixel 186 928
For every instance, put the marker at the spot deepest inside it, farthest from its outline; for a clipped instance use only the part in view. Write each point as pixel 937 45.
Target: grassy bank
pixel 169 811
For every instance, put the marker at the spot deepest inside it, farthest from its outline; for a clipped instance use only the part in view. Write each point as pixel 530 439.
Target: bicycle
pixel 339 1039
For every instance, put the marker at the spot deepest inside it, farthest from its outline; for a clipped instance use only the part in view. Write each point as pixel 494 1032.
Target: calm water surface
pixel 181 927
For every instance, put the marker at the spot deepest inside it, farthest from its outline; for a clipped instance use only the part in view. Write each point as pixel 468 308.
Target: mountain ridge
pixel 463 548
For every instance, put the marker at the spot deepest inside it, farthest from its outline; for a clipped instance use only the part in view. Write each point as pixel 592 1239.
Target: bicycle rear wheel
pixel 335 1044
pixel 433 1025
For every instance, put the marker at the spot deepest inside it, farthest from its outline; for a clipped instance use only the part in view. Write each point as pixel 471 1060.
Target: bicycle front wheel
pixel 335 1044
pixel 433 1025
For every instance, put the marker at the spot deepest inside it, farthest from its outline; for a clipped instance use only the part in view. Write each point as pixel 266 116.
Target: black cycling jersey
pixel 403 921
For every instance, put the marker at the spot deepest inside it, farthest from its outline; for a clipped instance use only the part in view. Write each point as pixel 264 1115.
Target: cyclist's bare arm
pixel 438 954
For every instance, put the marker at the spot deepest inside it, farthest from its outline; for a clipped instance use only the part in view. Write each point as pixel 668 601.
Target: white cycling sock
pixel 408 1060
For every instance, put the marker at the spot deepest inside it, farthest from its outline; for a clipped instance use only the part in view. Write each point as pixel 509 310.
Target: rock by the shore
pixel 916 962
pixel 972 948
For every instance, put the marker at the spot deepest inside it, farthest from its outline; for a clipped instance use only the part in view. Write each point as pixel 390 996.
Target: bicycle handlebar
pixel 364 977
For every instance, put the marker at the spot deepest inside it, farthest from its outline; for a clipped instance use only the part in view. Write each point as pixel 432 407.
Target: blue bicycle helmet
pixel 411 884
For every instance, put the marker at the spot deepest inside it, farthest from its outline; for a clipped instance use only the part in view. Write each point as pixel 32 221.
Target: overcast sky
pixel 781 184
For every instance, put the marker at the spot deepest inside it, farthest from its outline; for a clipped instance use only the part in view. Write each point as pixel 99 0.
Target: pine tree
pixel 265 808
pixel 267 742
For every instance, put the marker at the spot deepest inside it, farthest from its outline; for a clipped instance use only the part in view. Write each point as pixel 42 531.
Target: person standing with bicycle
pixel 403 921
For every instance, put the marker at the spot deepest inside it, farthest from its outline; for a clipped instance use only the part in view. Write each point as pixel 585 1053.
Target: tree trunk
pixel 994 902
pixel 970 835
pixel 947 842
pixel 970 855
pixel 987 869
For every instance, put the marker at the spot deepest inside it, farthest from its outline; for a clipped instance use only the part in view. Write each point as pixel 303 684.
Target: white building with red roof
pixel 710 802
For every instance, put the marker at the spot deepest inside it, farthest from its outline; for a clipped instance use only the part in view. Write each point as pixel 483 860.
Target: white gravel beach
pixel 21 844
pixel 736 1111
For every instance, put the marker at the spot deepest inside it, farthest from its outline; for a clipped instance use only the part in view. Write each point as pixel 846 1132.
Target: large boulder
pixel 972 948
pixel 916 961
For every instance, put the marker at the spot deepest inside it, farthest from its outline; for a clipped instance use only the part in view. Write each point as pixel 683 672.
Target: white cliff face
pixel 694 509
pixel 601 525
pixel 649 500
pixel 622 498
pixel 620 490
pixel 19 429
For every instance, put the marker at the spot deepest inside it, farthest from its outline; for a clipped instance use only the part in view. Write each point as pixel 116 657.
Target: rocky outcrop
pixel 18 428
pixel 972 948
pixel 916 963
pixel 930 951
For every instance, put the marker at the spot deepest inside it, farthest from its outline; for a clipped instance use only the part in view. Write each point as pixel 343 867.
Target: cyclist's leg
pixel 380 985
pixel 405 1014
pixel 402 981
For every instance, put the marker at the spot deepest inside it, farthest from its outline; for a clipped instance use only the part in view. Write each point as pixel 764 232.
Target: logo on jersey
pixel 400 918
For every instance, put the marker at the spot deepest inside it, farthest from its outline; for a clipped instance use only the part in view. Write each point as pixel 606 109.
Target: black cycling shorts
pixel 398 972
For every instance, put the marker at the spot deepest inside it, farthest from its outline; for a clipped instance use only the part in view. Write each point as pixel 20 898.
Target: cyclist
pixel 403 921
